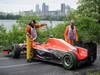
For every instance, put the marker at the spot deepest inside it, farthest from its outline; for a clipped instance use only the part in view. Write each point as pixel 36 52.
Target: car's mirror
pixel 50 36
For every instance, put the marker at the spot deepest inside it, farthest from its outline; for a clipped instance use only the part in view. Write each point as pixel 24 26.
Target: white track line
pixel 3 58
pixel 20 65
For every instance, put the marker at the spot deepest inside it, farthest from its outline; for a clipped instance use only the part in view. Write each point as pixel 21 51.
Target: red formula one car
pixel 59 51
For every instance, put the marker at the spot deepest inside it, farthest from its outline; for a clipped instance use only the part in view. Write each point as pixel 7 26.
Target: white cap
pixel 72 21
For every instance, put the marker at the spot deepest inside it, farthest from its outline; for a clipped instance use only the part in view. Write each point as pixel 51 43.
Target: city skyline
pixel 63 11
pixel 26 5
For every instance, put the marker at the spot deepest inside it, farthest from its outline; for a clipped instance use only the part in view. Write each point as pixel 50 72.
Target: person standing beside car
pixel 71 34
pixel 31 35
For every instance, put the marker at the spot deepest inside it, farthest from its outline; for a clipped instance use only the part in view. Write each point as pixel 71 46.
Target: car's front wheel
pixel 69 61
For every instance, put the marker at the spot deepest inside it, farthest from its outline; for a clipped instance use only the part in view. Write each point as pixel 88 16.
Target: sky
pixel 25 5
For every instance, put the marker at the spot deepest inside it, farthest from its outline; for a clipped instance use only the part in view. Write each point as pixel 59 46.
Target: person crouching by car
pixel 70 34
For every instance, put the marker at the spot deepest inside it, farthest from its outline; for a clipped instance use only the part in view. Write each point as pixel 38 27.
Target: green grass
pixel 93 73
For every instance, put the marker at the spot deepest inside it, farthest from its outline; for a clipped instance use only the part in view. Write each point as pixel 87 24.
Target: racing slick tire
pixel 16 51
pixel 69 61
pixel 92 51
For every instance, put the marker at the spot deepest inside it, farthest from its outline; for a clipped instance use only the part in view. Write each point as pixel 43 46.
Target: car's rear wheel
pixel 16 51
pixel 92 51
pixel 69 61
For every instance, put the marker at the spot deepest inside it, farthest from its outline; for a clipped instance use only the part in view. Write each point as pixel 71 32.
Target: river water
pixel 8 23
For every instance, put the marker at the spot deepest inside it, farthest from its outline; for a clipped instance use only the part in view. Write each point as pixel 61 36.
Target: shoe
pixel 29 60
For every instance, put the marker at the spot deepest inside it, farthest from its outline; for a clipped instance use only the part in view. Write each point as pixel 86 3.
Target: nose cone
pixel 82 53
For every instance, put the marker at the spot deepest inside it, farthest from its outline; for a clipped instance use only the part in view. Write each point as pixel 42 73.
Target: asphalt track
pixel 9 66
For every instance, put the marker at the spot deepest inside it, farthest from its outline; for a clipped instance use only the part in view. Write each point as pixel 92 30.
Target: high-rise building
pixel 63 7
pixel 37 9
pixel 45 8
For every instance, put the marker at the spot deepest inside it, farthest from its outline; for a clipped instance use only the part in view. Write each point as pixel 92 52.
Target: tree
pixel 16 35
pixel 27 19
pixel 88 29
pixel 89 8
